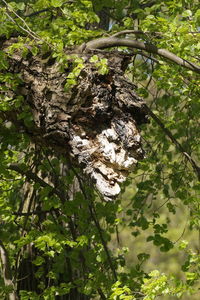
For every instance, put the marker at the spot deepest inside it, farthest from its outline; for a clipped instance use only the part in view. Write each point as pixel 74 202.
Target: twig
pixel 25 30
pixel 183 232
pixel 32 176
pixel 28 30
pixel 147 56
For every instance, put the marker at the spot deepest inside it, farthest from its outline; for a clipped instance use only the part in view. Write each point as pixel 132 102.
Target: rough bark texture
pixel 95 123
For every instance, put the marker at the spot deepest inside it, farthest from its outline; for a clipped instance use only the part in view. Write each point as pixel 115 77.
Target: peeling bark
pixel 95 123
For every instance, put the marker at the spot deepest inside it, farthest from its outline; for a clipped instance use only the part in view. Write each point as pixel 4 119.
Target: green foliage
pixel 74 240
pixel 72 77
pixel 100 64
pixel 121 292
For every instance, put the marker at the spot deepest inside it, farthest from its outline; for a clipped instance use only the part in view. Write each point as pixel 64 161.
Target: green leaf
pixel 56 3
pixel 94 59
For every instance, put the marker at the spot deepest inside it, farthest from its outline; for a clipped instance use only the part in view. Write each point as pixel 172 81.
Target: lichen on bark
pixel 95 122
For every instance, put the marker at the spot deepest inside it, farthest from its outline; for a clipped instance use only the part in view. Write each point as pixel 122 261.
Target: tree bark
pixel 95 123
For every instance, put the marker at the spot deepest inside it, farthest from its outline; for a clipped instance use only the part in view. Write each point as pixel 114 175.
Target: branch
pixel 32 213
pixel 37 12
pixel 32 176
pixel 195 167
pixel 26 28
pixel 109 42
pixel 96 222
pixel 6 271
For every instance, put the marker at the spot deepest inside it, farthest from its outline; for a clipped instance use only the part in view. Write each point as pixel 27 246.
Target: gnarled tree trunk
pixel 95 123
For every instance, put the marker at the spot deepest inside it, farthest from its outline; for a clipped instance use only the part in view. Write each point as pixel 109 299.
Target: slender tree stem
pixel 6 271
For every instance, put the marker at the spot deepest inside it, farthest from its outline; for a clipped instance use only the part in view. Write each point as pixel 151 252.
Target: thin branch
pixel 26 28
pixel 38 12
pixel 96 222
pixel 109 42
pixel 147 56
pixel 183 232
pixel 31 213
pixel 59 192
pixel 6 271
pixel 101 294
pixel 32 176
pixel 194 165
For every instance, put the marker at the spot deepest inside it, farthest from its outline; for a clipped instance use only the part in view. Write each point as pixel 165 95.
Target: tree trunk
pixel 95 123
pixel 34 217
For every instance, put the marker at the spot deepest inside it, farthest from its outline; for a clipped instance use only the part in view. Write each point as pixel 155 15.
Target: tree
pixel 76 131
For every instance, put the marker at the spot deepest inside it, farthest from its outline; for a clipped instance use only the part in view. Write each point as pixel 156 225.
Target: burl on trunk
pixel 95 122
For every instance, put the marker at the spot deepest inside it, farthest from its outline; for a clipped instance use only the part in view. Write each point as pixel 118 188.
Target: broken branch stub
pixel 96 121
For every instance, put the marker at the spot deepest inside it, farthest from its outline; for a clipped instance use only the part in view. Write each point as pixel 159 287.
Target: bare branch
pixel 26 28
pixel 109 42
